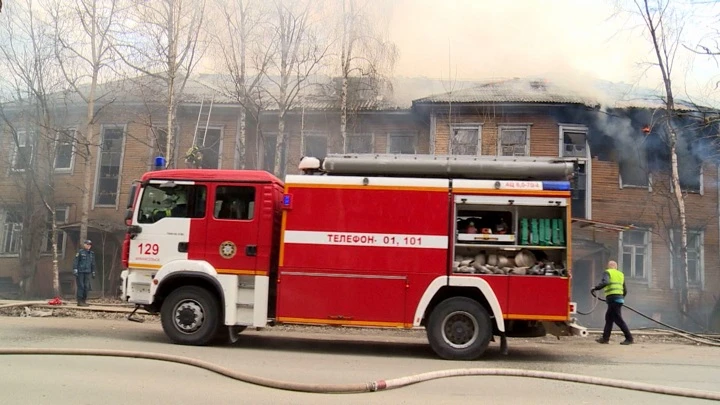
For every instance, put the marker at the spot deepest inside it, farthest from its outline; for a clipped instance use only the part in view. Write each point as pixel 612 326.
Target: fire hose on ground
pixel 371 386
pixel 376 385
pixel 706 340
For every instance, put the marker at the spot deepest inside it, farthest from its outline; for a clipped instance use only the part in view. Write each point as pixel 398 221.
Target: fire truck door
pixel 232 228
pixel 169 215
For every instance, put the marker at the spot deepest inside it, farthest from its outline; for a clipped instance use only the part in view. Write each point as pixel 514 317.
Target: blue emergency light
pixel 287 202
pixel 159 163
pixel 556 185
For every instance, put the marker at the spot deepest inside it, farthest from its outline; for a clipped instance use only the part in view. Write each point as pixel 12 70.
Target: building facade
pixel 623 201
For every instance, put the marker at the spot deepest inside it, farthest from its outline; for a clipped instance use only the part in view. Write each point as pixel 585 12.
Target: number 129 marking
pixel 149 248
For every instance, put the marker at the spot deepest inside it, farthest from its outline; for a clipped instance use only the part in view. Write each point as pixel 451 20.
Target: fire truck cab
pixel 468 248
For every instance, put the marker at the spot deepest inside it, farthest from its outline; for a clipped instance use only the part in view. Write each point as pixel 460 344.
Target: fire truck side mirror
pixel 134 230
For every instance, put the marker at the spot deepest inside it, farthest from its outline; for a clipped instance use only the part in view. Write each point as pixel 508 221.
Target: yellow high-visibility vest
pixel 616 279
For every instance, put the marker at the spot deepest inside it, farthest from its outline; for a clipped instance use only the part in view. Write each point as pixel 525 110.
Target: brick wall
pixel 380 125
pixel 543 132
pixel 613 204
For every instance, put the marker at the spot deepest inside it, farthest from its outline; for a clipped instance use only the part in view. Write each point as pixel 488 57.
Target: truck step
pixel 244 315
pixel 245 296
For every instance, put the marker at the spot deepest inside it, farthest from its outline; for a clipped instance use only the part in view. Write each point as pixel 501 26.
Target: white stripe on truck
pixel 395 240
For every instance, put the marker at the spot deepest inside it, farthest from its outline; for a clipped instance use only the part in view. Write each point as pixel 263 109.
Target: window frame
pixel 251 211
pixel 306 135
pixel 701 258
pixel 221 142
pixel 47 238
pixel 17 229
pixel 153 146
pixel 262 156
pixel 587 161
pixel 370 135
pixel 513 127
pixel 647 261
pixel 22 142
pixel 70 168
pixel 466 126
pixel 622 185
pixel 190 194
pixel 405 134
pixel 95 204
pixel 701 178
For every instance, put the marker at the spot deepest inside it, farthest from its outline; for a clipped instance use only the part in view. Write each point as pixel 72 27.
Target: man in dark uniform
pixel 83 268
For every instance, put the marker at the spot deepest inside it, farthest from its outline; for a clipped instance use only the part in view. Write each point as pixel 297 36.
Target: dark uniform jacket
pixel 84 261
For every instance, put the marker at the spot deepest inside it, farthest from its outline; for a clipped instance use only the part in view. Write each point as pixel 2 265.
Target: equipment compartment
pixel 485 226
pixel 510 239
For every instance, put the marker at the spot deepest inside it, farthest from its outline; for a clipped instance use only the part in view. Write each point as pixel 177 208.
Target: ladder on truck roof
pixel 469 167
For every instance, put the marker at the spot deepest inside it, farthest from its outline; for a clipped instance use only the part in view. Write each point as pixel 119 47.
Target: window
pixel 64 156
pixel 636 250
pixel 12 226
pixel 402 142
pixel 210 141
pixel 513 141
pixel 23 151
pixel 696 255
pixel 633 167
pixel 574 142
pixel 110 164
pixel 315 144
pixel 690 172
pixel 634 173
pixel 234 202
pixel 465 140
pixel 159 141
pixel 359 143
pixel 61 214
pixel 269 149
pixel 579 193
pixel 171 201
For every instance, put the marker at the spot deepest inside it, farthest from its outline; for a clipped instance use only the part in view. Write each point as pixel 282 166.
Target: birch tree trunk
pixel 172 69
pixel 664 47
pixel 90 141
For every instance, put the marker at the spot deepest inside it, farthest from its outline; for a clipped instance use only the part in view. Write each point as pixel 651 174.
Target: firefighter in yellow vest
pixel 613 282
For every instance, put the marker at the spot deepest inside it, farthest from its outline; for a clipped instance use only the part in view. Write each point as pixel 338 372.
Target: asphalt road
pixel 310 356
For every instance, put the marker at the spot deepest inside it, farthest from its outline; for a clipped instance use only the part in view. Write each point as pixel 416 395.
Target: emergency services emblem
pixel 227 250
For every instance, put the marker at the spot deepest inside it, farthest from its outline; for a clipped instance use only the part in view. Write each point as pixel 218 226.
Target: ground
pixel 331 356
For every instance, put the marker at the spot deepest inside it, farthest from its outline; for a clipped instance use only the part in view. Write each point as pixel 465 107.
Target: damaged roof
pixel 598 93
pixel 402 93
pixel 508 91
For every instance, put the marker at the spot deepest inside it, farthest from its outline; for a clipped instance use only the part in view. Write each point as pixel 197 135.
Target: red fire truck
pixel 468 248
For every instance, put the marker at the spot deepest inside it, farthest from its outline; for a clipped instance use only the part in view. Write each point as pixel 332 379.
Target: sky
pixel 566 40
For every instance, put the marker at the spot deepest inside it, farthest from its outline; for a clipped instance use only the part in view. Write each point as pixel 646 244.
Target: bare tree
pixel 164 40
pixel 26 52
pixel 83 48
pixel 244 61
pixel 364 54
pixel 665 32
pixel 297 54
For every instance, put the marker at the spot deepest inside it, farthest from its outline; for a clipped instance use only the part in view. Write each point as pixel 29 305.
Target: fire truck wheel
pixel 459 328
pixel 189 316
